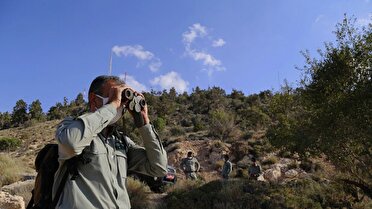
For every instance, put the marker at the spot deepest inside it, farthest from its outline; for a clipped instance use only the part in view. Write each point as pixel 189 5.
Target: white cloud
pixel 132 82
pixel 169 80
pixel 196 30
pixel 155 65
pixel 364 21
pixel 140 53
pixel 319 18
pixel 209 62
pixel 137 51
pixel 207 59
pixel 218 43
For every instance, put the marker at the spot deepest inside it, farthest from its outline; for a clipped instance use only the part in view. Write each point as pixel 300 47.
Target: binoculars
pixel 134 101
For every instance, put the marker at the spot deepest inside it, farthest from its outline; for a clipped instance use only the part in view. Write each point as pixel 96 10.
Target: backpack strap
pixel 31 202
pixel 61 186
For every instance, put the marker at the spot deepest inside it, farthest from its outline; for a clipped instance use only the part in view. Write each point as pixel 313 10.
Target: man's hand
pixel 140 118
pixel 115 95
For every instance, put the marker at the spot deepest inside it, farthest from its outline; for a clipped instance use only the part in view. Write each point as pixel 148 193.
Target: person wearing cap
pixel 190 166
pixel 101 182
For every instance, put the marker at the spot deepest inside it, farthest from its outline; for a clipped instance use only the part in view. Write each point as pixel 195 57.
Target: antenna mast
pixel 110 63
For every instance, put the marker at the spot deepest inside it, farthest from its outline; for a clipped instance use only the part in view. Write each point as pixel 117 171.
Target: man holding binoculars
pixel 100 182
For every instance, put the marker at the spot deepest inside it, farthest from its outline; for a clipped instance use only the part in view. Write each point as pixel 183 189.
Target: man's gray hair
pixel 97 83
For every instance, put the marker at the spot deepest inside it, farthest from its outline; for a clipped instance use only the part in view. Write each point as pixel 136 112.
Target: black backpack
pixel 46 165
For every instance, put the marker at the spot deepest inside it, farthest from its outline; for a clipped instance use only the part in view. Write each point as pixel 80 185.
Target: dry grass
pixel 138 194
pixel 184 185
pixel 11 169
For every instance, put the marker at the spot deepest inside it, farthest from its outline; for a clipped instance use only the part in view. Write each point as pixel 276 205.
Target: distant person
pixel 227 167
pixel 190 166
pixel 101 181
pixel 254 170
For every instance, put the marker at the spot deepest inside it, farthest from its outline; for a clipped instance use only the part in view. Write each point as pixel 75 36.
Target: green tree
pixel 336 98
pixel 222 124
pixel 57 112
pixel 36 111
pixel 5 120
pixel 79 99
pixel 19 115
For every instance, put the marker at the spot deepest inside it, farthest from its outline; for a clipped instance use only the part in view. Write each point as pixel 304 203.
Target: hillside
pixel 278 167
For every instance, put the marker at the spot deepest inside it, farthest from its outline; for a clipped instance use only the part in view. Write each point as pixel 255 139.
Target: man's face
pixel 95 101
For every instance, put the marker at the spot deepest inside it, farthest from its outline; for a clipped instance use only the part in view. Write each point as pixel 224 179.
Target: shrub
pixel 177 131
pixel 184 185
pixel 269 161
pixel 10 170
pixel 138 194
pixel 197 123
pixel 241 193
pixel 159 124
pixel 293 165
pixel 285 154
pixel 9 143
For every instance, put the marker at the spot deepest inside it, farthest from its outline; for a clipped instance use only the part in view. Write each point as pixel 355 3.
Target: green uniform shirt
pixel 190 164
pixel 102 182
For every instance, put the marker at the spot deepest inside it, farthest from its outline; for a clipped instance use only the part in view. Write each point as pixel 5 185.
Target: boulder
pixel 8 201
pixel 19 187
pixel 244 163
pixel 272 174
pixel 291 173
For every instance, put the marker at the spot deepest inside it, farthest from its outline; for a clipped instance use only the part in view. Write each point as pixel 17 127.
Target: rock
pixel 260 178
pixel 279 166
pixel 272 174
pixel 291 173
pixel 244 163
pixel 19 186
pixel 8 201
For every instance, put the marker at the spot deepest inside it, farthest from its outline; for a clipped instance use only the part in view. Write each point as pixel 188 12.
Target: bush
pixel 9 144
pixel 10 170
pixel 285 154
pixel 197 123
pixel 159 124
pixel 177 131
pixel 138 194
pixel 240 193
pixel 269 161
pixel 184 185
pixel 293 165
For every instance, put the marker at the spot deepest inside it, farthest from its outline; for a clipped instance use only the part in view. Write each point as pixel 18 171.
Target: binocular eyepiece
pixel 134 101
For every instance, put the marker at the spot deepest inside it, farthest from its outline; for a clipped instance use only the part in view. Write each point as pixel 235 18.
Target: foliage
pixel 177 131
pixel 5 120
pixel 252 194
pixel 159 124
pixel 138 194
pixel 269 161
pixel 36 111
pixel 9 144
pixel 222 124
pixel 332 111
pixel 10 170
pixel 19 115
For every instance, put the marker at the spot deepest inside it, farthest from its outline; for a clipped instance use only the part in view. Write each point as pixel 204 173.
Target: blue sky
pixel 53 49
